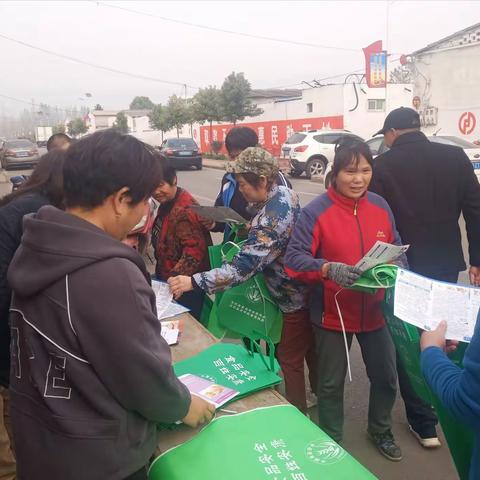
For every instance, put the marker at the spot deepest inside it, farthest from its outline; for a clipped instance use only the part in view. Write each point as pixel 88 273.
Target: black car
pixel 182 152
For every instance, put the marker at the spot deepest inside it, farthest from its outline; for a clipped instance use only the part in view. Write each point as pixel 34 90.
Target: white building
pixel 138 125
pixel 352 106
pixel 446 77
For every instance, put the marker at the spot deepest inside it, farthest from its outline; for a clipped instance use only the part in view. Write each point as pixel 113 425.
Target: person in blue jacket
pixel 458 389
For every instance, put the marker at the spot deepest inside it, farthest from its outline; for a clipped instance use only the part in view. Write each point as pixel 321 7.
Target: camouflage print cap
pixel 256 160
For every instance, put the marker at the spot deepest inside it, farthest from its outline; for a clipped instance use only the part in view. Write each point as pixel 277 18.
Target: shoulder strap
pixel 229 190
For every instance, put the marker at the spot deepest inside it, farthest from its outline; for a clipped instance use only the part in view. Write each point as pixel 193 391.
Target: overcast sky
pixel 149 46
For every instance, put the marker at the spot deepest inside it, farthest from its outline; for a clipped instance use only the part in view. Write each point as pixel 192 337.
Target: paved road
pixel 417 463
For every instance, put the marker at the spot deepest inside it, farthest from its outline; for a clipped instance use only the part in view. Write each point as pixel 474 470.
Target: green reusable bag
pixel 277 442
pixel 231 365
pixel 381 276
pixel 406 338
pixel 218 254
pixel 249 310
pixel 246 310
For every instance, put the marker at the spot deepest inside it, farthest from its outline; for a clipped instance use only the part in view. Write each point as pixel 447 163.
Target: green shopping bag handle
pixel 255 347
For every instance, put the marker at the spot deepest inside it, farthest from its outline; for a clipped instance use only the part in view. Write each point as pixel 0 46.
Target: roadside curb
pixel 318 179
pixel 217 164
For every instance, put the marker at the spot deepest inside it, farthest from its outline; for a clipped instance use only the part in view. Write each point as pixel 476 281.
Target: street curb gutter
pixel 217 164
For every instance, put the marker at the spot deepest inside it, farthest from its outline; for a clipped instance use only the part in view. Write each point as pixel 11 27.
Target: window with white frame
pixel 376 105
pixel 309 107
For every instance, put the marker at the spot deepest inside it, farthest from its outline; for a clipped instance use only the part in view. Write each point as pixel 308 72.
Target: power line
pixel 360 70
pixel 223 30
pixel 93 65
pixel 19 100
pixel 322 79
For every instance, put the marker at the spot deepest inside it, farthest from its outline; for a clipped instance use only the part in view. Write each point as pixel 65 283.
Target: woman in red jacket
pixel 332 234
pixel 179 240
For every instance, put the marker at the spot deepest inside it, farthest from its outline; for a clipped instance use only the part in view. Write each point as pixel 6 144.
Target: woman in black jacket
pixel 45 186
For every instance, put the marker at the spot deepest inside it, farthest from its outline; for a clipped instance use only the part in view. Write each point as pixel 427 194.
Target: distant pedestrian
pixel 428 185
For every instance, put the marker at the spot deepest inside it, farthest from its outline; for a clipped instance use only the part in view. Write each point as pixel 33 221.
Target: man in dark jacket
pixel 427 186
pixel 91 375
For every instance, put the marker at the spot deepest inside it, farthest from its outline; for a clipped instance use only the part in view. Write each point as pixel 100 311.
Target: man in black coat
pixel 428 185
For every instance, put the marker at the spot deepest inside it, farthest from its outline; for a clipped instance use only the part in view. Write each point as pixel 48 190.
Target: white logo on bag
pixel 325 452
pixel 253 294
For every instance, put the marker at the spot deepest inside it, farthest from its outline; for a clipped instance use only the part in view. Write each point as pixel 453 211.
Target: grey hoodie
pixel 90 374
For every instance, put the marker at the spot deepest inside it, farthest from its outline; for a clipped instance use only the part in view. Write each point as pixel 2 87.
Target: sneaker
pixel 386 445
pixel 427 436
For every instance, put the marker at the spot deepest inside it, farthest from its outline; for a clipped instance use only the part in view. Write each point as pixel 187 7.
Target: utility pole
pixel 387 22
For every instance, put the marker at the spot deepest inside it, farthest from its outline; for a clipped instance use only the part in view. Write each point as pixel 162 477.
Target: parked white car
pixel 377 147
pixel 312 151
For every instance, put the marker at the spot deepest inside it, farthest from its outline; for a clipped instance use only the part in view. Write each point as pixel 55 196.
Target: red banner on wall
pixel 271 135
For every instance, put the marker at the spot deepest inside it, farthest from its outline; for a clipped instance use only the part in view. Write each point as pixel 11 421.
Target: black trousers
pixel 139 475
pixel 420 415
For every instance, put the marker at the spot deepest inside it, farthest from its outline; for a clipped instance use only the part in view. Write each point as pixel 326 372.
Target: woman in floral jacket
pixel 179 240
pixel 263 251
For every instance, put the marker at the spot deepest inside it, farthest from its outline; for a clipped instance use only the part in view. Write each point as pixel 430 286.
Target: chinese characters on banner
pixel 273 134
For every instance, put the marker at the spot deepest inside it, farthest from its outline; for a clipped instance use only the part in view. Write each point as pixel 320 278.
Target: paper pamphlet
pixel 170 335
pixel 424 303
pixel 172 310
pixel 166 307
pixel 380 253
pixel 219 214
pixel 209 391
pixel 163 296
pixel 171 331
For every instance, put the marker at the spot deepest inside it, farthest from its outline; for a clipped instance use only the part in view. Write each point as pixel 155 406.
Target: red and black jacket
pixel 179 240
pixel 333 228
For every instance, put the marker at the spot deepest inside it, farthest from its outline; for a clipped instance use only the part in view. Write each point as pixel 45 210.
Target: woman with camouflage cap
pixel 278 209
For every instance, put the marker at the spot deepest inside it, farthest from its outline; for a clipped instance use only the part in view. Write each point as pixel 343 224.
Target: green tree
pixel 141 103
pixel 59 128
pixel 121 123
pixel 177 113
pixel 207 106
pixel 98 107
pixel 235 99
pixel 158 119
pixel 76 127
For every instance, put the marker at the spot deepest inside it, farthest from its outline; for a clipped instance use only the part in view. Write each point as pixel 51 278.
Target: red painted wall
pixel 271 135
